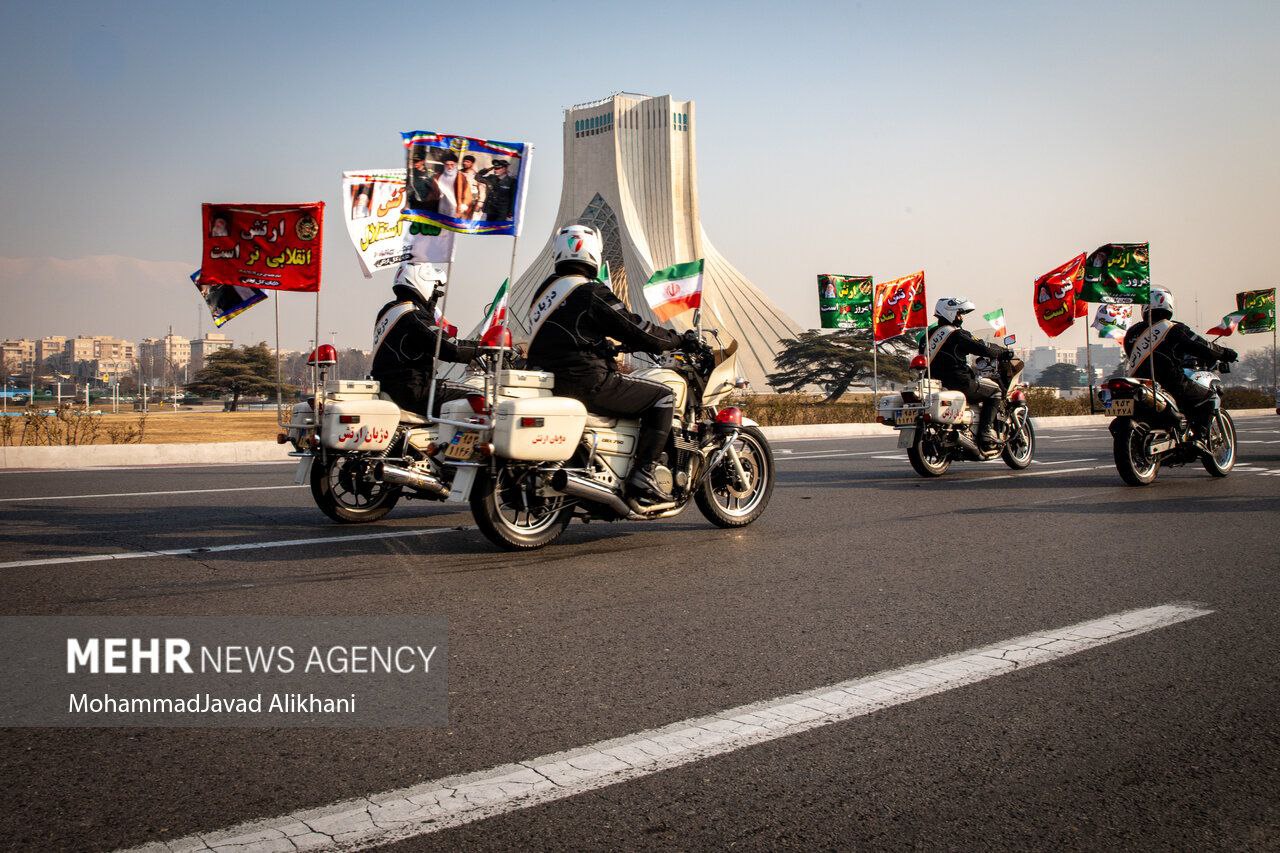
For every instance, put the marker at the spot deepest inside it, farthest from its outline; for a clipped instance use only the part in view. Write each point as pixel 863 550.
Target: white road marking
pixel 829 455
pixel 92 468
pixel 1040 473
pixel 1065 461
pixel 457 800
pixel 222 549
pixel 144 494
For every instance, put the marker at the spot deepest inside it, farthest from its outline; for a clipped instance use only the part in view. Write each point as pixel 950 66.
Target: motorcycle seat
pixel 411 419
pixel 601 421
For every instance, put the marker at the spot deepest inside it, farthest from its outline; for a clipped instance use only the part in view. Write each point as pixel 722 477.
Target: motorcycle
pixel 533 461
pixel 1150 431
pixel 360 452
pixel 937 427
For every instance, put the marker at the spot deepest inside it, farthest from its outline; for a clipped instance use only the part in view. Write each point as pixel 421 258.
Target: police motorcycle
pixel 360 452
pixel 937 427
pixel 531 461
pixel 1149 430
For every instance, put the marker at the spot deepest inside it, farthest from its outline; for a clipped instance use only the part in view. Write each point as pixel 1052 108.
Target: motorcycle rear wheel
pixel 1021 446
pixel 1129 450
pixel 723 501
pixel 926 454
pixel 1222 429
pixel 345 499
pixel 511 516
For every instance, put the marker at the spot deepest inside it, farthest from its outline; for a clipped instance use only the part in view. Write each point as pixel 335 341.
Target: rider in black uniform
pixel 404 346
pixel 1178 342
pixel 949 362
pixel 573 316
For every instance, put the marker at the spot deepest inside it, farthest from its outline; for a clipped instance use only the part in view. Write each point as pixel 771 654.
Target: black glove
pixel 1006 355
pixel 1229 355
pixel 691 341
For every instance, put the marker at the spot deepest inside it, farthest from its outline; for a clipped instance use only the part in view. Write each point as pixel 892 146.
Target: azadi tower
pixel 631 170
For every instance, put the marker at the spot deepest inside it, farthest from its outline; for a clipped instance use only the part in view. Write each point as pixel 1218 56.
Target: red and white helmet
pixel 578 244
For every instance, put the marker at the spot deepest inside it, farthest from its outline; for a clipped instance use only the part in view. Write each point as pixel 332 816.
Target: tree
pixel 1061 375
pixel 835 361
pixel 238 371
pixel 1257 367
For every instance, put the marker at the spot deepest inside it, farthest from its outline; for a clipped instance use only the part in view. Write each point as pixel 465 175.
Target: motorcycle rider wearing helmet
pixel 1166 343
pixel 948 346
pixel 572 318
pixel 404 345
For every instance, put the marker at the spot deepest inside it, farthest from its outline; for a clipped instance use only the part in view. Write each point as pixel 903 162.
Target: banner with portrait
pixel 268 246
pixel 225 301
pixel 844 301
pixel 465 184
pixel 1259 307
pixel 372 202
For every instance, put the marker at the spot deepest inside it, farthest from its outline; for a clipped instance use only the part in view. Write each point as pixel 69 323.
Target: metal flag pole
pixel 279 378
pixel 875 374
pixel 435 359
pixel 1088 360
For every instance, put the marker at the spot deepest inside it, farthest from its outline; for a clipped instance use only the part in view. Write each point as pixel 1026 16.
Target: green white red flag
pixel 996 321
pixel 898 305
pixel 1229 324
pixel 496 314
pixel 1112 321
pixel 674 290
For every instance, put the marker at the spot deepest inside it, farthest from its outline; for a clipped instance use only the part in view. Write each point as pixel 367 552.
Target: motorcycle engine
pixel 662 474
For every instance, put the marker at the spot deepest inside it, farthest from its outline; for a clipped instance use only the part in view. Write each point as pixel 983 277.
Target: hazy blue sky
pixel 983 142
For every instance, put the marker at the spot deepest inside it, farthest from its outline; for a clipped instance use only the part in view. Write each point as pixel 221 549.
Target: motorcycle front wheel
pixel 1222 445
pixel 1129 446
pixel 344 491
pixel 927 454
pixel 724 499
pixel 1021 445
pixel 511 514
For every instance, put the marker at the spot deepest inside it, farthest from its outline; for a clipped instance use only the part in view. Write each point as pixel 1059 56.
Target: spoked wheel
pixel 1221 457
pixel 510 512
pixel 1129 447
pixel 927 454
pixel 344 489
pixel 1021 445
pixel 730 501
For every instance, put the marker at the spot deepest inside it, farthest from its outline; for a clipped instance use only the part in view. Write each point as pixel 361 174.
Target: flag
pixel 372 201
pixel 1260 311
pixel 226 302
pixel 996 320
pixel 1112 321
pixel 1054 297
pixel 1228 325
pixel 675 290
pixel 844 301
pixel 271 246
pixel 465 184
pixel 602 274
pixel 1118 272
pixel 496 314
pixel 894 309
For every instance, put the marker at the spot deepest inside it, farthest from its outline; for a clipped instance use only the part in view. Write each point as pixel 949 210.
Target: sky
pixel 985 143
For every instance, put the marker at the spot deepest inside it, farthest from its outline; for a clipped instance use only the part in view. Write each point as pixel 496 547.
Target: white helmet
pixel 418 283
pixel 578 244
pixel 1161 300
pixel 951 308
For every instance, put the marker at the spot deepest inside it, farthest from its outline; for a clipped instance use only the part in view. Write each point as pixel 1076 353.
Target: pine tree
pixel 835 361
pixel 239 371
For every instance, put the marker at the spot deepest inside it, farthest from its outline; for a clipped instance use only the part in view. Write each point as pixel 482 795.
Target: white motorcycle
pixel 937 427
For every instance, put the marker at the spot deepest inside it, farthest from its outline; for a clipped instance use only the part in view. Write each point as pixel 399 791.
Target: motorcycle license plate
pixel 1120 408
pixel 907 418
pixel 906 437
pixel 462 446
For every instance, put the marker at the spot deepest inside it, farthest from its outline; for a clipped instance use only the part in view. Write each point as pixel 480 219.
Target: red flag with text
pixel 270 246
pixel 1054 297
pixel 898 306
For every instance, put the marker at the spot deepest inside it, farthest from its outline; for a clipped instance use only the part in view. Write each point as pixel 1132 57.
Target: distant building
pixel 18 355
pixel 81 356
pixel 164 359
pixel 49 351
pixel 202 348
pixel 1105 358
pixel 1039 358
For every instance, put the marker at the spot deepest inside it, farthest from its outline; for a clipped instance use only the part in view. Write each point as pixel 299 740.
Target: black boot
pixel 987 437
pixel 645 480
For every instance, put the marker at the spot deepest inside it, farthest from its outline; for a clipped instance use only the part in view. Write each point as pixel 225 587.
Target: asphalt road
pixel 1163 740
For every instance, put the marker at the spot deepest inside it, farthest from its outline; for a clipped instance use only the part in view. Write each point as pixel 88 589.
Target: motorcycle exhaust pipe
pixel 420 480
pixel 589 490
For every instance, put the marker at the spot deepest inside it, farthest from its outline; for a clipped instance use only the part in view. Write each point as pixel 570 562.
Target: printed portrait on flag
pixel 464 184
pixel 844 301
pixel 373 202
pixel 268 246
pixel 1119 273
pixel 225 301
pixel 1259 307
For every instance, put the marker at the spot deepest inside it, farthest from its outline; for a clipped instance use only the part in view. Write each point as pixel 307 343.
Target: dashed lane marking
pixel 222 549
pixel 145 494
pixel 457 800
pixel 90 469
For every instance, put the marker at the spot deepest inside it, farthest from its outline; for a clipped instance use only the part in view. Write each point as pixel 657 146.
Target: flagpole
pixel 875 375
pixel 1088 359
pixel 279 380
pixel 435 359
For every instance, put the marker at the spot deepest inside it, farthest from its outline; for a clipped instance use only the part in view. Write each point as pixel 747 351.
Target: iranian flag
pixel 497 313
pixel 996 320
pixel 604 275
pixel 1112 321
pixel 1229 324
pixel 674 290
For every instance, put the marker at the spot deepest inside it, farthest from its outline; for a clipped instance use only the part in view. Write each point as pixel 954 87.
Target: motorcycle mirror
pixel 1010 340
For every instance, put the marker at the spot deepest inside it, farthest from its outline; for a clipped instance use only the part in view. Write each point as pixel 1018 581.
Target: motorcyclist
pixel 1161 341
pixel 404 344
pixel 948 346
pixel 572 318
